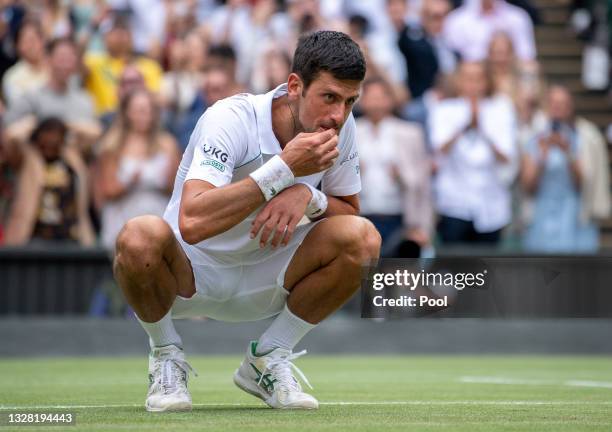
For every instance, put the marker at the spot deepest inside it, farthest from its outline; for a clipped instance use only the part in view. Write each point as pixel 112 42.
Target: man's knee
pixel 141 242
pixel 359 240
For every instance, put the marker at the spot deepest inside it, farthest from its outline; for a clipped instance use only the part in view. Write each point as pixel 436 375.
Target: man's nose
pixel 337 113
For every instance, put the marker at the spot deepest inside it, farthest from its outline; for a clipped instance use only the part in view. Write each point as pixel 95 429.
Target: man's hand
pixel 310 153
pixel 281 215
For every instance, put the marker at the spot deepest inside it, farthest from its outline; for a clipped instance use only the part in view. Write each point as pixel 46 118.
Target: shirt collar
pixel 268 142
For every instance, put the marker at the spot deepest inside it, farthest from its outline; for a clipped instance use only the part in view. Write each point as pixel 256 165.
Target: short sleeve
pixel 343 178
pixel 218 145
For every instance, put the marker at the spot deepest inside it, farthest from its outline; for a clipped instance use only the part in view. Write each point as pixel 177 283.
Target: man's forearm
pixel 205 214
pixel 337 207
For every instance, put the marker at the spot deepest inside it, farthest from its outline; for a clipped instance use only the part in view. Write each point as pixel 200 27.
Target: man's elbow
pixel 190 230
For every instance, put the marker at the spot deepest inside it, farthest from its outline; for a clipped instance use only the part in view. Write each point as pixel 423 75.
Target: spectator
pixel 383 44
pixel 592 22
pixel 10 162
pixel 424 50
pixel 58 98
pixel 231 25
pixel 565 169
pixel 502 64
pixel 130 80
pixel 30 72
pixel 57 20
pixel 104 70
pixel 12 15
pixel 181 22
pixel 52 199
pixel 137 165
pixel 474 138
pixel 181 86
pixel 468 29
pixel 273 70
pixel 88 15
pixel 217 85
pixel 382 57
pixel 146 19
pixel 395 170
pixel 223 57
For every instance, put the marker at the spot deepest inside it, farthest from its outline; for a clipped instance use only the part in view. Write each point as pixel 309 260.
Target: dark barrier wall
pixel 75 281
pixel 52 280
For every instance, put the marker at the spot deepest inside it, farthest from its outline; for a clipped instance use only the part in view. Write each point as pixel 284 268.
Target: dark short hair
pixel 223 51
pixel 328 51
pixel 48 124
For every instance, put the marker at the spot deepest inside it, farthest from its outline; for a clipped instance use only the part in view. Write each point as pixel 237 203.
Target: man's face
pixel 63 61
pixel 326 103
pixel 217 86
pixel 118 40
pixel 433 15
pixel 396 10
pixel 50 144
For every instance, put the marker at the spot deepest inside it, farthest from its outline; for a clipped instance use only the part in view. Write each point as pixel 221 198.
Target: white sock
pixel 285 332
pixel 162 333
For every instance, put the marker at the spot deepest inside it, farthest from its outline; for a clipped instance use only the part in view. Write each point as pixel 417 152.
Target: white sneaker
pixel 168 375
pixel 269 378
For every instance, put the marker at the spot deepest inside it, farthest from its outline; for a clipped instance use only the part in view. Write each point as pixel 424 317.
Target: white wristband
pixel 318 203
pixel 272 177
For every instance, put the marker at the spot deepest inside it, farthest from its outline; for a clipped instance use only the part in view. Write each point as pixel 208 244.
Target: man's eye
pixel 328 97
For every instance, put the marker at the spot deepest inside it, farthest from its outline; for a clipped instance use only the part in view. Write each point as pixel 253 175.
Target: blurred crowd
pixel 461 140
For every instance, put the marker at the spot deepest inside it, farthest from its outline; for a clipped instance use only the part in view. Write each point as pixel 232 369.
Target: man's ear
pixel 295 86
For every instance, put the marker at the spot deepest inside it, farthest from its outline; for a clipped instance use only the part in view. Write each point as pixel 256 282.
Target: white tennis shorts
pixel 242 292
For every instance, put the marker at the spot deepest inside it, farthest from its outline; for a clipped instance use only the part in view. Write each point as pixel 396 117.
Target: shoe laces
pixel 281 368
pixel 173 372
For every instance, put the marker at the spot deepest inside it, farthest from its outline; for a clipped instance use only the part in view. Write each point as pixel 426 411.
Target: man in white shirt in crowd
pixel 229 246
pixel 473 137
pixel 468 29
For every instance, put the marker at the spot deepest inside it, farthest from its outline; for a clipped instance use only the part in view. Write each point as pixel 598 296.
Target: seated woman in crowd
pixel 565 171
pixel 52 194
pixel 137 165
pixel 473 137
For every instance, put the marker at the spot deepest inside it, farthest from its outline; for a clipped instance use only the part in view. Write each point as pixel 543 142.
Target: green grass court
pixel 357 393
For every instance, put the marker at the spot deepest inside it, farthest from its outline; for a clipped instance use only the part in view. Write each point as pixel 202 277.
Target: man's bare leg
pixel 152 269
pixel 323 274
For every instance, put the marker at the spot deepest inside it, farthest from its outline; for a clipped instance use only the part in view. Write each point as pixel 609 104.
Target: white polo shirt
pixel 470 183
pixel 233 138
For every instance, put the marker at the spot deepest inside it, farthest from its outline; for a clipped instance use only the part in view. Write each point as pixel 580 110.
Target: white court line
pixel 578 383
pixel 503 380
pixel 521 381
pixel 337 403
